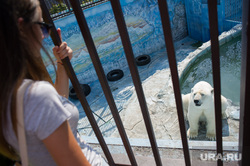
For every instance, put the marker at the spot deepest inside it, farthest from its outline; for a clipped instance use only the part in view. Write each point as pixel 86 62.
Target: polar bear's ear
pixel 192 90
pixel 212 90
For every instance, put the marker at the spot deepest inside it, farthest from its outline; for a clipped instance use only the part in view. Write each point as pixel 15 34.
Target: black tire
pixel 115 75
pixel 142 60
pixel 86 90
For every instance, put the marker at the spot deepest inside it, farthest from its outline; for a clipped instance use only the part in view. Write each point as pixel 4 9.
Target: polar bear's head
pixel 202 93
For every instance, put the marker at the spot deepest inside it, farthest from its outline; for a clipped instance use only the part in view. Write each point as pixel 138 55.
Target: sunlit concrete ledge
pixel 161 143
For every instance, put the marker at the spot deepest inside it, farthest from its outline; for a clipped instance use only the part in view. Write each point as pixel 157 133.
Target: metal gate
pixel 213 19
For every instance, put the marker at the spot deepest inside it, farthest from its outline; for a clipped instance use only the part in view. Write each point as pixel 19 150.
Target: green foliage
pixel 86 1
pixel 56 8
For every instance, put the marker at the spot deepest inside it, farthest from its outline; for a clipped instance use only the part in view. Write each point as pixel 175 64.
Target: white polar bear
pixel 199 106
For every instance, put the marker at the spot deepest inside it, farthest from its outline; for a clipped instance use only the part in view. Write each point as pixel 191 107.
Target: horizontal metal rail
pixel 59 13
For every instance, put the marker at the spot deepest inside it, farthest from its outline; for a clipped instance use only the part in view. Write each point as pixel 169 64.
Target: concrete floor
pixel 158 90
pixel 123 89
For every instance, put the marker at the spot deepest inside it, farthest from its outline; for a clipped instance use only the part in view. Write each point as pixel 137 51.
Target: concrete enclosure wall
pixel 229 14
pixel 187 17
pixel 144 26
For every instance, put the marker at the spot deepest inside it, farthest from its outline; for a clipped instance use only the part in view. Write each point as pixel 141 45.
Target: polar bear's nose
pixel 196 101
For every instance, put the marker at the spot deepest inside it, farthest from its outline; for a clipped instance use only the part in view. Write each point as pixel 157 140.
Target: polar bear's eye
pixel 202 94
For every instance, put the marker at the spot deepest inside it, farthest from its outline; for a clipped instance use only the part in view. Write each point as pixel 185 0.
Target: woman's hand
pixel 63 50
pixel 62 79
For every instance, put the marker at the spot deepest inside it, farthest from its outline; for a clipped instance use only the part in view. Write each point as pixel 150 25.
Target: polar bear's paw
pixel 211 136
pixel 192 134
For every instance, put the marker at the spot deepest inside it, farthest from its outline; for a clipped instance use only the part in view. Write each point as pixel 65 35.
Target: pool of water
pixel 230 61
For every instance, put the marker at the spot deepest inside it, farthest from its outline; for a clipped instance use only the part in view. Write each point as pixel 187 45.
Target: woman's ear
pixel 20 23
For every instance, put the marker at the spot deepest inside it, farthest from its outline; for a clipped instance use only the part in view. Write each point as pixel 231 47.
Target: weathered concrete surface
pixel 160 100
pixel 158 91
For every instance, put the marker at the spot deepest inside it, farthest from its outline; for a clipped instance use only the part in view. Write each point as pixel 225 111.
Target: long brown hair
pixel 18 60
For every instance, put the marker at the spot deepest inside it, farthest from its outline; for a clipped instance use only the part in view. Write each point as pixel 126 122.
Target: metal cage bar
pixel 215 55
pixel 163 7
pixel 101 75
pixel 69 69
pixel 244 135
pixel 116 6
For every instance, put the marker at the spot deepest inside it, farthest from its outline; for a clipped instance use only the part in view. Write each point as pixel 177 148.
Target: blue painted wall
pixel 188 17
pixel 144 26
pixel 198 21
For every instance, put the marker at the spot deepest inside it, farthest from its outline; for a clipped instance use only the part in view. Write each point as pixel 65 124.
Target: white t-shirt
pixel 44 111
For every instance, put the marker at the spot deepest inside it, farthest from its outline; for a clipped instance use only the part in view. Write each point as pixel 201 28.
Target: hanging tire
pixel 142 60
pixel 86 89
pixel 115 75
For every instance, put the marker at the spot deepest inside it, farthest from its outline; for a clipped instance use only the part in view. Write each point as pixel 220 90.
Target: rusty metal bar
pixel 244 135
pixel 116 6
pixel 76 85
pixel 163 7
pixel 101 75
pixel 215 51
pixel 46 16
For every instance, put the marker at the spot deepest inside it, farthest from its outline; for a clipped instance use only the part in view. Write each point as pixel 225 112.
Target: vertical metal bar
pixel 101 75
pixel 116 6
pixel 46 16
pixel 163 7
pixel 213 24
pixel 244 135
pixel 78 89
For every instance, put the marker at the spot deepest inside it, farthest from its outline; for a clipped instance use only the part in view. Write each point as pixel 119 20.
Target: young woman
pixel 50 119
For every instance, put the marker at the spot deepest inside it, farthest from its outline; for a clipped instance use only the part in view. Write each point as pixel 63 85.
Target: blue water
pixel 230 66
